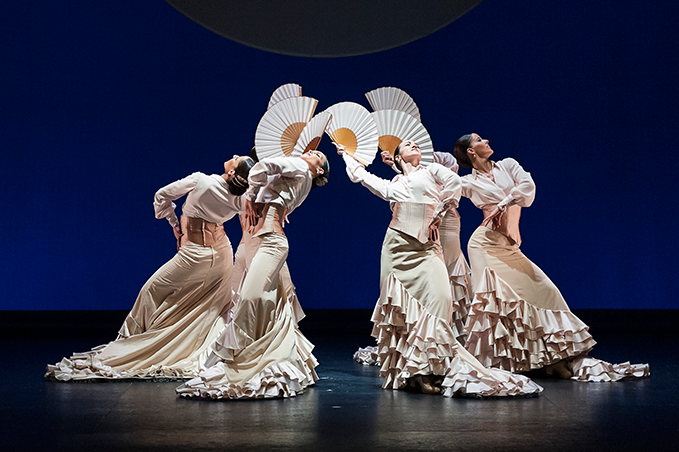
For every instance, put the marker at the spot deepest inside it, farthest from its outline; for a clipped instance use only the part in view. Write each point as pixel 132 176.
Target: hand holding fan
pixel 353 126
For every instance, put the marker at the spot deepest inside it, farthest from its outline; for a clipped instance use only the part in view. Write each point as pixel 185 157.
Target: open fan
pixel 390 98
pixel 353 126
pixel 284 92
pixel 396 126
pixel 280 127
pixel 312 134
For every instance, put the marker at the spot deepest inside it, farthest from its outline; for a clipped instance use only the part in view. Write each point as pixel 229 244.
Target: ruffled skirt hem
pixel 589 369
pixel 88 366
pixel 279 380
pixel 504 331
pixel 411 341
pixel 460 284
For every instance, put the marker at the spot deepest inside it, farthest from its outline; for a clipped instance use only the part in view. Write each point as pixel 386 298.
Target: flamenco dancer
pixel 243 258
pixel 518 319
pixel 181 309
pixel 412 319
pixel 449 236
pixel 261 353
pixel 458 270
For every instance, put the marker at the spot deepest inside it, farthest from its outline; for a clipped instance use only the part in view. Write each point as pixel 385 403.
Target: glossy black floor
pixel 346 409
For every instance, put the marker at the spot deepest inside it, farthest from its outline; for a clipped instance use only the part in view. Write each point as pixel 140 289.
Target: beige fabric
pixel 261 352
pixel 179 312
pixel 518 320
pixel 413 219
pixel 490 249
pixel 412 325
pixel 200 232
pixel 271 220
pixel 459 272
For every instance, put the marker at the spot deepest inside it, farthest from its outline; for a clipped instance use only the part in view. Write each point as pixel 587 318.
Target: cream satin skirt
pixel 518 319
pixel 412 325
pixel 178 314
pixel 260 353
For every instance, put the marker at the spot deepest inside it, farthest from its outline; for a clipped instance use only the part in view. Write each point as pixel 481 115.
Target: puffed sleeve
pixel 523 192
pixel 446 159
pixel 284 166
pixel 162 201
pixel 450 188
pixel 357 173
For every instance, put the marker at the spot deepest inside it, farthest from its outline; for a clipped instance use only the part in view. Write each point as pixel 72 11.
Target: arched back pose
pixel 261 353
pixel 180 310
pixel 412 319
pixel 518 319
pixel 245 252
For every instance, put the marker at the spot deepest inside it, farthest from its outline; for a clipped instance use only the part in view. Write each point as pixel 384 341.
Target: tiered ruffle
pixel 88 366
pixel 367 356
pixel 279 379
pixel 586 368
pixel 507 332
pixel 411 341
pixel 460 284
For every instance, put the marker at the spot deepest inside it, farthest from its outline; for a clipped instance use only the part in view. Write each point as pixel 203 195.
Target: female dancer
pixel 449 235
pixel 181 308
pixel 261 353
pixel 416 345
pixel 518 320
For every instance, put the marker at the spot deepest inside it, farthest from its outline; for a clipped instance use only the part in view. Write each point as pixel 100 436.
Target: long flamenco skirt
pixel 270 357
pixel 413 330
pixel 178 314
pixel 519 321
pixel 459 275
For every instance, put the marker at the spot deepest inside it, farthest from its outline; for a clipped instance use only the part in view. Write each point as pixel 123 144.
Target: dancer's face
pixel 315 160
pixel 480 147
pixel 230 166
pixel 409 152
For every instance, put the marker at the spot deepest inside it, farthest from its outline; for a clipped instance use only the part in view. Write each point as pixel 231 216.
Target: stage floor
pixel 346 409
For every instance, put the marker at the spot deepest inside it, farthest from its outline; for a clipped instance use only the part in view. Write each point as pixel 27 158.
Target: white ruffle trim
pixel 367 356
pixel 460 284
pixel 88 366
pixel 506 332
pixel 586 368
pixel 281 379
pixel 412 342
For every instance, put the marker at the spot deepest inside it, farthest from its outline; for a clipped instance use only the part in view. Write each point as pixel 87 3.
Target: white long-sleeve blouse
pixel 512 185
pixel 433 185
pixel 207 198
pixel 283 181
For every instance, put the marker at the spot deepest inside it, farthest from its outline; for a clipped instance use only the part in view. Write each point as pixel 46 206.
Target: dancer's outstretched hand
pixel 340 148
pixel 387 158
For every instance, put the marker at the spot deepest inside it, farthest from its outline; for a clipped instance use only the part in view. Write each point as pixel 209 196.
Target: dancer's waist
pixel 271 220
pixel 201 232
pixel 413 219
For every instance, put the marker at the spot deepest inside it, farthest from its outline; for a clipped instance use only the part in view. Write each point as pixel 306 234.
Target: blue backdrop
pixel 102 103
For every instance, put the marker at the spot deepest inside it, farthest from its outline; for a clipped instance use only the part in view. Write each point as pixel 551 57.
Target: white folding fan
pixel 353 126
pixel 396 126
pixel 284 92
pixel 312 133
pixel 280 127
pixel 390 98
